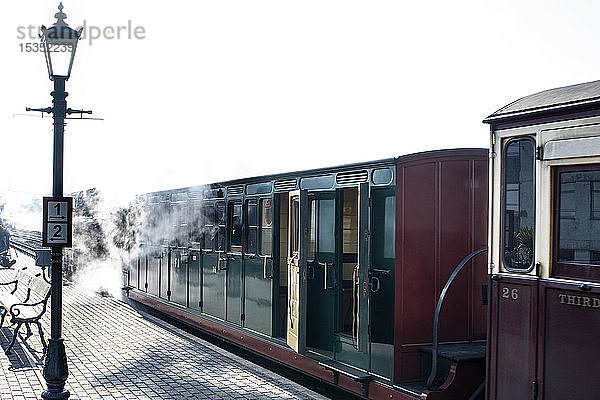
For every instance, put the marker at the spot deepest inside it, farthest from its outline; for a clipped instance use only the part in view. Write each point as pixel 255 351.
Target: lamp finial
pixel 60 16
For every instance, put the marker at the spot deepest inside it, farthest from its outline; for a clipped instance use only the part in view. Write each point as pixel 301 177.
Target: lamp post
pixel 59 43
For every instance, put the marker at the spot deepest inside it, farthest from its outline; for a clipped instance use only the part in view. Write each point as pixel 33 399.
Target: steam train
pixel 373 276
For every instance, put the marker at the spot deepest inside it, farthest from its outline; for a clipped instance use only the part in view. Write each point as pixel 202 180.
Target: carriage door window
pixel 209 234
pixel 196 224
pixel 235 235
pixel 220 226
pixel 519 203
pixel 266 227
pixel 348 306
pixel 251 227
pixel 576 252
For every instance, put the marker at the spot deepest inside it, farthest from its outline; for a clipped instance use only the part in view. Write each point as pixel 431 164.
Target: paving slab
pixel 116 352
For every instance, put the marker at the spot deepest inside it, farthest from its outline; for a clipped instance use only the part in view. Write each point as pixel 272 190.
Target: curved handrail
pixel 438 309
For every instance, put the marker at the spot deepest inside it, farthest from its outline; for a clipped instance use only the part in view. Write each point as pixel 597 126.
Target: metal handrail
pixel 438 309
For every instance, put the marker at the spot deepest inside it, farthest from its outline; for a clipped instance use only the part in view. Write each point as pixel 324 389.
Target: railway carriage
pixel 335 272
pixel 544 240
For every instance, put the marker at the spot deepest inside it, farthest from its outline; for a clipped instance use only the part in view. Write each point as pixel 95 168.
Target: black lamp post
pixel 59 43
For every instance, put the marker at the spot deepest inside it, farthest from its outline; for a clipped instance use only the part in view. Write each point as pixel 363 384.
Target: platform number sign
pixel 57 222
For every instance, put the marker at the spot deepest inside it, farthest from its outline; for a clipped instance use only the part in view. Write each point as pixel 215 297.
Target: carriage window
pixel 251 226
pixel 312 228
pixel 209 227
pixel 595 212
pixel 196 224
pixel 519 203
pixel 179 230
pixel 295 225
pixel 266 227
pixel 577 228
pixel 235 226
pixel 326 222
pixel 389 231
pixel 220 228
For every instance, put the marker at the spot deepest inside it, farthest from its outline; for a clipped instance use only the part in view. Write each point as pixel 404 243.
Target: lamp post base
pixel 56 370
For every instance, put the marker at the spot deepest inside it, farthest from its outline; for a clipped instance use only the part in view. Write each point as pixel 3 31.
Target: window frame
pixel 561 269
pixel 505 145
pixel 220 225
pixel 206 235
pixel 259 247
pixel 248 228
pixel 234 248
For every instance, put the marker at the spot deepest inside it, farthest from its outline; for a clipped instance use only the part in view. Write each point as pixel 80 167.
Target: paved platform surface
pixel 116 352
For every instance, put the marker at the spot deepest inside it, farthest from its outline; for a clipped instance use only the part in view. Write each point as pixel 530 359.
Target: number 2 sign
pixel 57 221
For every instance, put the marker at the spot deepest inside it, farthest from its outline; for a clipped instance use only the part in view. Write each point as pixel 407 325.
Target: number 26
pixel 510 293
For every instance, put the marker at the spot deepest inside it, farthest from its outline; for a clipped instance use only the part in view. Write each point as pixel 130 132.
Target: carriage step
pixel 355 374
pixel 458 351
pixel 450 355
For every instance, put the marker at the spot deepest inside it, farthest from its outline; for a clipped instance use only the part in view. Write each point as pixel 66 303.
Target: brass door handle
pixel 265 276
pixel 325 265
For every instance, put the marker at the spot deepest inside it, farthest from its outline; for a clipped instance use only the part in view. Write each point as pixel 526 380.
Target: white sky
pixel 228 89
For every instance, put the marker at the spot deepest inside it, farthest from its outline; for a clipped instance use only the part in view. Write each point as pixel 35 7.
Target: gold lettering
pixel 579 301
pixel 562 298
pixel 587 302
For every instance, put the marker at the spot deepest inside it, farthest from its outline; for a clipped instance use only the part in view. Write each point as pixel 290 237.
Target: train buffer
pixel 355 374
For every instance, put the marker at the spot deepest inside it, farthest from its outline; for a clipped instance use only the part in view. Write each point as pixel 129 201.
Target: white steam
pixel 21 210
pixel 111 230
pixel 104 238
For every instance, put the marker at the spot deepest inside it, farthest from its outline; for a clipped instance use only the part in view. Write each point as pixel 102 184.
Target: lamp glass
pixel 59 53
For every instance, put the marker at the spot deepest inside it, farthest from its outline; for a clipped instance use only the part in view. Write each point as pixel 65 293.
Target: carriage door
pixel 381 281
pixel 322 267
pixel 296 260
pixel 352 334
pixel 258 265
pixel 214 263
pixel 234 262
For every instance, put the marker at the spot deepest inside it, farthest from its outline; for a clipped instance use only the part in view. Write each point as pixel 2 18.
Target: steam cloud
pixel 108 233
pixel 21 210
pixel 110 230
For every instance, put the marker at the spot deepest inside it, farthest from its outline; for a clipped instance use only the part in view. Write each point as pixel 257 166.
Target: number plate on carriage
pixel 57 222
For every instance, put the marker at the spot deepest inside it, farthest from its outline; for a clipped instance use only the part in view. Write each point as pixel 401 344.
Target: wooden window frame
pixel 248 228
pixel 569 270
pixel 505 145
pixel 260 232
pixel 234 248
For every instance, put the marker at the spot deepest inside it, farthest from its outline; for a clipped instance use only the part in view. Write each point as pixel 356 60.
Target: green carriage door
pixel 258 265
pixel 381 275
pixel 234 262
pixel 352 337
pixel 213 260
pixel 296 260
pixel 322 281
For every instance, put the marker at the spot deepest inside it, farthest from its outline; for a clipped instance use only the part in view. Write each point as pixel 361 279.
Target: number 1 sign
pixel 57 222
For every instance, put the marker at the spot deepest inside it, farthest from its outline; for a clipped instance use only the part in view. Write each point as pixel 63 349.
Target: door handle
pixel 375 284
pixel 311 271
pixel 265 276
pixel 355 300
pixel 324 265
pixel 379 272
pixel 219 260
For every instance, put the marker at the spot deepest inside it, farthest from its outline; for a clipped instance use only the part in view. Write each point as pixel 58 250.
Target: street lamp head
pixel 59 44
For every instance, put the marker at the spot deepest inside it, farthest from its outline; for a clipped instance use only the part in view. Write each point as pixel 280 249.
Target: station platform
pixel 117 352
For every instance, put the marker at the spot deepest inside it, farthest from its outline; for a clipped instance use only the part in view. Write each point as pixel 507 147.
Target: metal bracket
pixel 539 153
